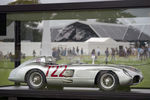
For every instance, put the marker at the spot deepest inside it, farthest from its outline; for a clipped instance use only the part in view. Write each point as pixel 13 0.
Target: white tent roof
pixel 95 39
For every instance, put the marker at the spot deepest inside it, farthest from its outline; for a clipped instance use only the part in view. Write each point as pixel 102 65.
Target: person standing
pixel 98 51
pixel 74 52
pixel 139 50
pixel 149 51
pixel 112 54
pixel 81 51
pixel 11 57
pixel 1 55
pixel 141 53
pixel 125 51
pixel 34 53
pixel 77 50
pixel 145 53
pixel 106 54
pixel 117 51
pixel 93 54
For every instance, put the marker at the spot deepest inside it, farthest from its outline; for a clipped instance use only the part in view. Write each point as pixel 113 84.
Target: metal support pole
pixel 17 44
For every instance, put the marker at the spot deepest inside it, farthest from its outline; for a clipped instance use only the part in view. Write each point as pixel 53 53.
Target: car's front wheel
pixel 108 81
pixel 36 79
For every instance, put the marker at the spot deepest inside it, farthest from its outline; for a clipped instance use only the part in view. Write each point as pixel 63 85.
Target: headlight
pixel 69 73
pixel 126 72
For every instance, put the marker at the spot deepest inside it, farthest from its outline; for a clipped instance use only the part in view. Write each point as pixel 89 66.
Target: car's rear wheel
pixel 36 79
pixel 108 81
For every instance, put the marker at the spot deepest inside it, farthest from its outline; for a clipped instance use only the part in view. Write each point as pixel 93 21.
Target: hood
pixel 124 67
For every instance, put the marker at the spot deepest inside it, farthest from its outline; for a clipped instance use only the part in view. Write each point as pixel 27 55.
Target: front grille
pixel 136 79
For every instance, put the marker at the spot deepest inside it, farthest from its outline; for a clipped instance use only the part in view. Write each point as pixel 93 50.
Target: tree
pixel 29 29
pixel 24 2
pixel 101 15
pixel 111 15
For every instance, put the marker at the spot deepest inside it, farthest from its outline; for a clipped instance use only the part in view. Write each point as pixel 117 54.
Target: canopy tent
pixel 82 31
pixel 100 40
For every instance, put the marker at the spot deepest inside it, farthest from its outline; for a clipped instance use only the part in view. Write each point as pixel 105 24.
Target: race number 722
pixel 56 68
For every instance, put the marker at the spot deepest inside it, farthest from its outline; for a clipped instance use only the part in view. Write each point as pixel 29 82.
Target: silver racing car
pixel 42 71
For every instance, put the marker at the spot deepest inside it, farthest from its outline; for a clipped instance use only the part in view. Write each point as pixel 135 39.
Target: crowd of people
pixel 141 53
pixel 60 51
pixel 95 53
pixel 10 56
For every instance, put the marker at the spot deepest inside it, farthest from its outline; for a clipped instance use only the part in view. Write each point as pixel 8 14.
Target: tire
pixel 36 79
pixel 107 81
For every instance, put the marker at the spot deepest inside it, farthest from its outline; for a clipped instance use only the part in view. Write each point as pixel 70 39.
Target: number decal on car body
pixel 52 75
pixel 61 74
pixel 54 72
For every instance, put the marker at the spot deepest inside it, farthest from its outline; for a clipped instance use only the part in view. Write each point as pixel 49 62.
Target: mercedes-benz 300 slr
pixel 42 71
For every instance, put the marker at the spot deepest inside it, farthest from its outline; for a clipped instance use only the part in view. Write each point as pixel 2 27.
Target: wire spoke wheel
pixel 108 81
pixel 36 79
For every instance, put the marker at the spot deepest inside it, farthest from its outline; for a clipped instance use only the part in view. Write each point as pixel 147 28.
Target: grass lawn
pixel 4 73
pixel 6 66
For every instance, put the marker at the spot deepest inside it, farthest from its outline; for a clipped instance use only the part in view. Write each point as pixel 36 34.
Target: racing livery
pixel 42 71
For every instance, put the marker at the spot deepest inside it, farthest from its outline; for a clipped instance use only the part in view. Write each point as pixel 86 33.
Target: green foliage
pixel 111 15
pixel 24 2
pixel 30 32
